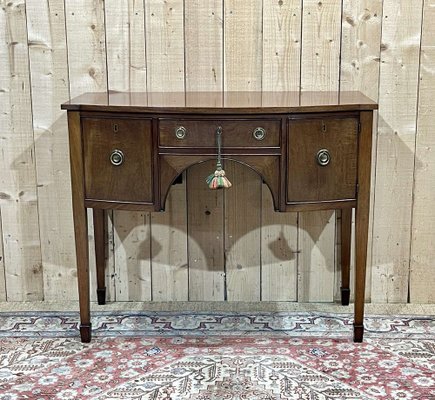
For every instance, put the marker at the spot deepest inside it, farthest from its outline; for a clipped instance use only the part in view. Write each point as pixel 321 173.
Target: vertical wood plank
pixel 279 250
pixel 243 234
pixel 395 150
pixel 243 70
pixel 204 72
pixel 360 56
pixel 316 258
pixel 18 197
pixel 86 46
pixel 206 236
pixel 360 46
pixel 125 36
pixel 126 71
pixel 281 45
pixel 170 274
pixel 165 45
pixel 2 264
pixel 321 26
pixel 166 70
pixel 281 72
pixel 321 62
pixel 422 271
pixel 49 74
pixel 243 50
pixel 5 123
pixel 85 28
pixel 132 238
pixel 203 45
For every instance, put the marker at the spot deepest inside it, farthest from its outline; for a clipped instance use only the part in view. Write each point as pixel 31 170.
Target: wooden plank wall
pixel 18 183
pixel 422 276
pixel 396 158
pixel 226 245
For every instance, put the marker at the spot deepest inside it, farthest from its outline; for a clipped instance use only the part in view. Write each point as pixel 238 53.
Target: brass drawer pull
pixel 323 157
pixel 259 133
pixel 117 157
pixel 180 132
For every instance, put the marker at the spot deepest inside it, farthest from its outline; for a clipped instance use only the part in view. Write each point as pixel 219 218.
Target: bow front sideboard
pixel 312 149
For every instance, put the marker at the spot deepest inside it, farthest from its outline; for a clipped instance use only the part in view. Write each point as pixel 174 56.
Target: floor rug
pixel 203 356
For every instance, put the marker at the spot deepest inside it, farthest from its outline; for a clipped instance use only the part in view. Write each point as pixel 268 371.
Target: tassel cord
pixel 219 147
pixel 218 180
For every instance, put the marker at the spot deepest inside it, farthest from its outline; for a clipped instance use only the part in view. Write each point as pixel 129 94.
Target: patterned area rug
pixel 216 356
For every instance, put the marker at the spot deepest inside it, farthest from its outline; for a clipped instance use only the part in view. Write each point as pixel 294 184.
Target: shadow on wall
pixel 279 246
pixel 215 233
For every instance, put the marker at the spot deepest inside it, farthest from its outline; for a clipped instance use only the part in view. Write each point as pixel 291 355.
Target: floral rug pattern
pixel 176 356
pixel 53 324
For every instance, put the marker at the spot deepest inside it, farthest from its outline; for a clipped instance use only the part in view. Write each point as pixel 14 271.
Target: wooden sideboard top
pixel 221 102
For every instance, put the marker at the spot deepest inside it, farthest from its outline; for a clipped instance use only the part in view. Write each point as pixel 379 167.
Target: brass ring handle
pixel 117 157
pixel 259 133
pixel 180 132
pixel 323 157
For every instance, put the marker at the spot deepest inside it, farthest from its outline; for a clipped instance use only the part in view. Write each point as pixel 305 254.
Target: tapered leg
pixel 362 220
pixel 80 223
pixel 82 253
pixel 100 236
pixel 361 232
pixel 346 232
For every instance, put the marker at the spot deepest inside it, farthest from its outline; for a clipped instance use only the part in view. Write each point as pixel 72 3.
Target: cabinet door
pixel 322 159
pixel 118 159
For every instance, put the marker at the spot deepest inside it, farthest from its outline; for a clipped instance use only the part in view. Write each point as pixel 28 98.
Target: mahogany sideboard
pixel 312 149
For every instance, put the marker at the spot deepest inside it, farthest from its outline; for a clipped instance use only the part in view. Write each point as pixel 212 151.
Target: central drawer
pixel 235 132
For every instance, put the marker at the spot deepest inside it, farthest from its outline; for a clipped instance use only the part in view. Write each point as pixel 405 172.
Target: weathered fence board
pixel 18 194
pixel 398 94
pixel 422 271
pixel 49 74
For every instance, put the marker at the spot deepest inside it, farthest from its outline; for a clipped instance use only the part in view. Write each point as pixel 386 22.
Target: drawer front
pixel 322 159
pixel 235 133
pixel 118 159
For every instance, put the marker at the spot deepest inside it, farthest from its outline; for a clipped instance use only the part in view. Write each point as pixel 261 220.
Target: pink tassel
pixel 218 180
